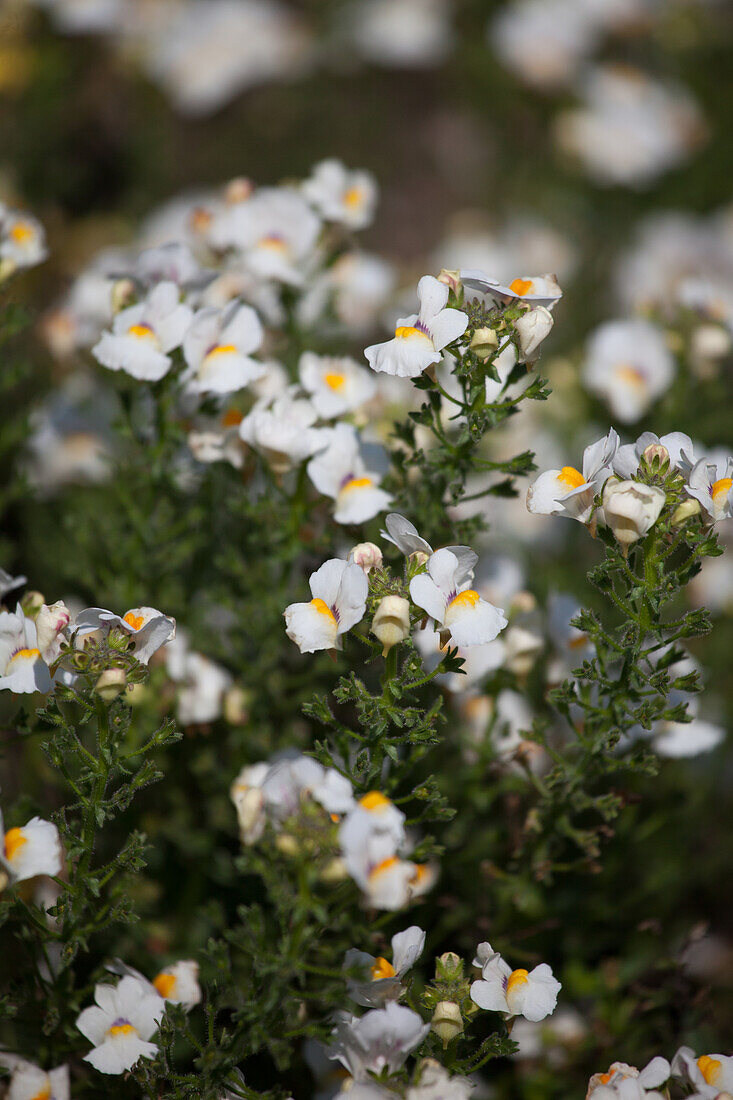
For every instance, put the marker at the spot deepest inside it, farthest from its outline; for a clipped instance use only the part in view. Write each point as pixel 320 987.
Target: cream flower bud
pixel 367 555
pixel 287 844
pixel 484 342
pixel 656 457
pixel 50 621
pixel 238 190
pixel 631 509
pixel 447 1021
pixel 250 805
pixel 111 683
pixel 123 295
pixel 236 706
pixel 448 967
pixel 391 622
pixel 452 279
pixel 685 511
pixel 334 872
pixel 532 328
pixel 710 342
pixel 32 603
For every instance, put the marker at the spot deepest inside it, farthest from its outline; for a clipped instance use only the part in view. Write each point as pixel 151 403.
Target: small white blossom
pixel 631 509
pixel 339 590
pixel 532 994
pixel 379 1040
pixel 148 628
pixel 340 195
pixel 420 338
pixel 335 385
pixel 218 346
pixel 381 981
pixel 568 492
pixel 144 335
pixel 628 364
pixel 29 850
pixel 120 1025
pixel 340 472
pixel 443 592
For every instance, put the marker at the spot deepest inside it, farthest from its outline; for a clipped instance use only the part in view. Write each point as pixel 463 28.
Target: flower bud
pixel 334 872
pixel 656 457
pixel 32 603
pixel 710 342
pixel 532 328
pixel 522 649
pixel 367 555
pixel 484 342
pixel 447 1022
pixel 287 844
pixel 123 295
pixel 250 806
pixel 50 622
pixel 391 622
pixel 452 279
pixel 448 967
pixel 111 683
pixel 631 509
pixel 685 511
pixel 238 190
pixel 236 703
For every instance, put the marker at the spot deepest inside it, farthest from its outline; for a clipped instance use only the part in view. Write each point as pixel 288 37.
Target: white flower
pixel 711 1074
pixel 532 994
pixel 340 472
pixel 384 978
pixel 339 592
pixel 31 849
pixel 202 682
pixel 371 837
pixel 535 290
pixel 30 1082
pixel 420 338
pixel 179 983
pixel 631 128
pixel 631 509
pixel 173 262
pixel 711 483
pixel 217 348
pixel 205 52
pixel 403 534
pixel 143 335
pixel 22 667
pixel 275 233
pixel 681 740
pixel 340 195
pixel 334 385
pixel 149 629
pixel 119 1026
pixel 443 592
pixel 628 456
pixel 283 431
pixel 435 1083
pixel 630 1083
pixel 401 33
pixel 544 41
pixel 629 365
pixel 532 328
pixel 292 776
pixel 568 492
pixel 22 240
pixel 381 1039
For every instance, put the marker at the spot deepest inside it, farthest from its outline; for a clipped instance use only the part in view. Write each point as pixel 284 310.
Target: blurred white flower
pixel 143 335
pixel 341 195
pixel 628 364
pixel 340 472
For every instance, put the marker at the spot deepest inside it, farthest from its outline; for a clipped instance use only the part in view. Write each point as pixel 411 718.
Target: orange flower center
pixel 14 841
pixel 133 620
pixel 521 286
pixel 334 380
pixel 571 477
pixel 165 983
pixel 374 800
pixel 381 969
pixel 323 609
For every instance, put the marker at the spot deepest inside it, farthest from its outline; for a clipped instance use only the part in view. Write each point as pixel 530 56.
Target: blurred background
pixel 589 138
